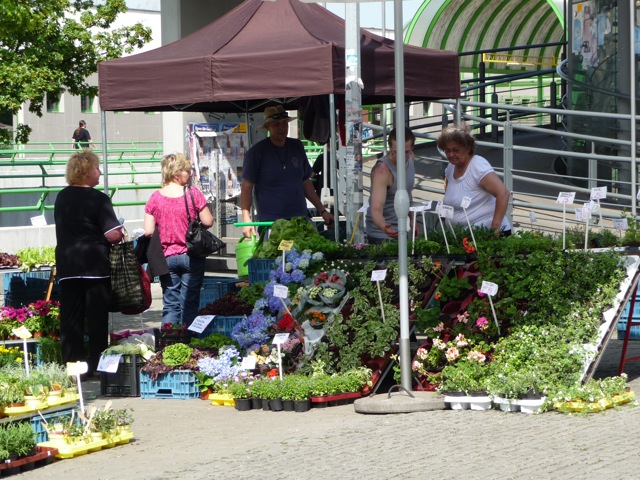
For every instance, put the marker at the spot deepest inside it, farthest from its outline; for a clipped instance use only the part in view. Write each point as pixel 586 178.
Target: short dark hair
pixel 408 135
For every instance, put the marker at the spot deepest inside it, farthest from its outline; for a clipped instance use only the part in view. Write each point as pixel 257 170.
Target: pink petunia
pixel 482 323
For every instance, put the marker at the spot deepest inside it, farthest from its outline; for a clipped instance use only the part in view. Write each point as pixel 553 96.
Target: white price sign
pixel 109 363
pixel 363 209
pixel 280 338
pixel 620 224
pixel 248 363
pixel 280 291
pixel 438 207
pixel 582 214
pixel 378 275
pixel 566 198
pixel 39 221
pixel 77 368
pixel 200 323
pixel 427 205
pixel 532 217
pixel 466 201
pixel 598 193
pixel 489 288
pixel 591 206
pixel 446 211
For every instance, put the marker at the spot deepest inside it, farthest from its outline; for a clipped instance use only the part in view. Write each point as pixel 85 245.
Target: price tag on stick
pixel 466 201
pixel 491 289
pixel 377 276
pixel 282 292
pixel 285 246
pixel 278 340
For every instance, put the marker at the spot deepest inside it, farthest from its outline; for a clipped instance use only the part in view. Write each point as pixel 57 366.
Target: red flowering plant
pixel 42 316
pixel 469 247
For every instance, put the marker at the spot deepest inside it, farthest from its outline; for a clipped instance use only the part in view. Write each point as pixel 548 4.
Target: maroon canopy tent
pixel 280 51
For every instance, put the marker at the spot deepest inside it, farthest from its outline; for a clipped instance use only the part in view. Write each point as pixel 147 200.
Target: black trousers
pixel 83 301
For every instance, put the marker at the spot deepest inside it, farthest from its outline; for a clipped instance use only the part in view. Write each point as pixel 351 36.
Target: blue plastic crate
pixel 38 426
pixel 259 269
pixel 221 324
pixel 622 327
pixel 214 288
pixel 21 289
pixel 179 384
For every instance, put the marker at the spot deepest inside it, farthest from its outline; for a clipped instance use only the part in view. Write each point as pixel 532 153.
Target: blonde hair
pixel 459 134
pixel 172 164
pixel 80 165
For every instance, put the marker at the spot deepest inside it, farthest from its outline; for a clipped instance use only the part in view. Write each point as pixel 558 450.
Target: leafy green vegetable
pixel 176 355
pixel 34 257
pixel 299 230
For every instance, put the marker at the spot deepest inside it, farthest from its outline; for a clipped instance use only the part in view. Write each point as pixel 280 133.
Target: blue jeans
pixel 181 289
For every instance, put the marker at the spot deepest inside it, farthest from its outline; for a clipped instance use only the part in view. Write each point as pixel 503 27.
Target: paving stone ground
pixel 191 439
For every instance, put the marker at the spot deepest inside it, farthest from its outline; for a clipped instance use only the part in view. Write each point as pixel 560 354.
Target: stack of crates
pixel 214 288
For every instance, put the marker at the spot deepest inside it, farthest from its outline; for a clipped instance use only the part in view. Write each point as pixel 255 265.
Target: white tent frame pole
pixel 401 202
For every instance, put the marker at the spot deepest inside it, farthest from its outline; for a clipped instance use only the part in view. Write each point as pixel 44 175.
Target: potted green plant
pixel 241 394
pixel 205 383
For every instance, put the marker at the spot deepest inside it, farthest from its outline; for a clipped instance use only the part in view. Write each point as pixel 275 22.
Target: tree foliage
pixel 49 46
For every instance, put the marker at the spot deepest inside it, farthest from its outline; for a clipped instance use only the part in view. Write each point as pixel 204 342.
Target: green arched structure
pixel 471 25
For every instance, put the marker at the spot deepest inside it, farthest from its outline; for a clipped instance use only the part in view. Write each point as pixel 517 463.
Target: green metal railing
pixel 46 161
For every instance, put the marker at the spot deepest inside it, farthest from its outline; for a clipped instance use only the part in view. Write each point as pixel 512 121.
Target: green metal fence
pixel 40 166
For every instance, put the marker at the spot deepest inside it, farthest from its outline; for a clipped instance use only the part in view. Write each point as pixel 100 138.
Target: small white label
pixel 466 201
pixel 427 205
pixel 532 217
pixel 363 209
pixel 582 214
pixel 109 363
pixel 620 224
pixel 200 323
pixel 446 211
pixel 77 368
pixel 280 291
pixel 566 198
pixel 438 207
pixel 598 193
pixel 489 288
pixel 280 338
pixel 39 221
pixel 378 275
pixel 591 206
pixel 248 363
pixel 22 332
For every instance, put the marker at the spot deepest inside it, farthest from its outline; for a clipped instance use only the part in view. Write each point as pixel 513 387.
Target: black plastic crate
pixel 171 337
pixel 126 381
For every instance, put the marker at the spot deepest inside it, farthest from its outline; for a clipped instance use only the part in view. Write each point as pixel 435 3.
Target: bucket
pixel 244 251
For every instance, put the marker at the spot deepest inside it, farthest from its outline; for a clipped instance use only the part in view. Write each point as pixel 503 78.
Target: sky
pixel 371 12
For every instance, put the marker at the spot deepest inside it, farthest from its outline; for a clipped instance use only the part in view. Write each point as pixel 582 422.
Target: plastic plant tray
pixel 222 400
pixel 82 447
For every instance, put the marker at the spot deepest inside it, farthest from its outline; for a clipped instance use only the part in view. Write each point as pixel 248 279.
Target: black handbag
pixel 200 241
pixel 127 289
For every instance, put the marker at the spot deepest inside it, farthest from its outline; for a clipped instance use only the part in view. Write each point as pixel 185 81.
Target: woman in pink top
pixel 166 209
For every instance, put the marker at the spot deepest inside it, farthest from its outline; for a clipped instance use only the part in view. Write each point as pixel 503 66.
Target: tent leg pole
pixel 103 121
